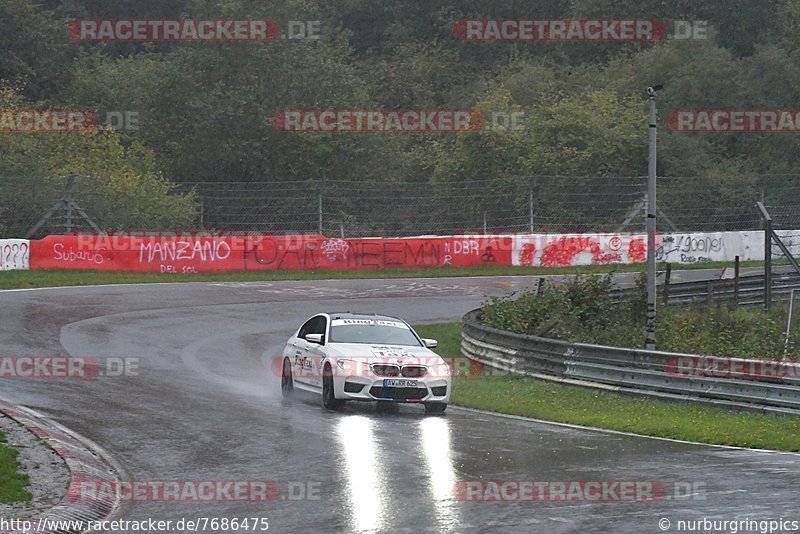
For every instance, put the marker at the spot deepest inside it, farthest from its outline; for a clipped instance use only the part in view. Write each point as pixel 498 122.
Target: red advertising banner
pixel 190 253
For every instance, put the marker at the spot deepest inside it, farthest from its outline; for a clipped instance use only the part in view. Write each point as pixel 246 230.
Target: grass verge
pixel 583 406
pixel 13 484
pixel 68 277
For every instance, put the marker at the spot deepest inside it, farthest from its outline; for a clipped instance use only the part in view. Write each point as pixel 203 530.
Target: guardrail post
pixel 530 204
pixel 319 212
pixel 765 216
pixel 68 194
pixel 736 281
pixel 768 264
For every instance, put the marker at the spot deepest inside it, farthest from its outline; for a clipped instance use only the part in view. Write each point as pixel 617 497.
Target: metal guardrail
pixel 631 371
pixel 750 290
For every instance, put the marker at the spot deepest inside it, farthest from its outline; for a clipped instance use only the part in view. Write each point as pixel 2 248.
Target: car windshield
pixel 374 331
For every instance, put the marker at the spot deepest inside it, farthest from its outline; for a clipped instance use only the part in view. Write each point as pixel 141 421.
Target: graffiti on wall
pixel 14 254
pixel 587 249
pixel 714 246
pixel 199 253
pixel 549 250
pixel 203 253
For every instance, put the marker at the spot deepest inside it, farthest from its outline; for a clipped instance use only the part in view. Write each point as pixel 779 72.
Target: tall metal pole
pixel 650 340
pixel 768 264
pixel 319 212
pixel 530 204
pixel 68 201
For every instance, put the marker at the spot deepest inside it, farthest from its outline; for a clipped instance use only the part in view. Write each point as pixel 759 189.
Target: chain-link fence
pixel 358 209
pixel 525 204
pixel 355 208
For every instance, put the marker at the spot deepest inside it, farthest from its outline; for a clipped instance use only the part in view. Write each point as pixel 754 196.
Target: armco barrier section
pixel 203 252
pixel 14 254
pixel 775 388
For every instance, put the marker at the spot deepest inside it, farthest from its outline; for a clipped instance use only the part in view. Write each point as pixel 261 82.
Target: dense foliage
pixel 581 310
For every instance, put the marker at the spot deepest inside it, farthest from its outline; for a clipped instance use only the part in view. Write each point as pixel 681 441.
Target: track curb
pixel 85 461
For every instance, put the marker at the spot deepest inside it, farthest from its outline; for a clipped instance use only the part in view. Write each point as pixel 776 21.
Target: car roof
pixel 356 315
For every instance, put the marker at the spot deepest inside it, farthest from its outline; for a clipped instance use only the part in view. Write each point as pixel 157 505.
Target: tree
pixel 122 191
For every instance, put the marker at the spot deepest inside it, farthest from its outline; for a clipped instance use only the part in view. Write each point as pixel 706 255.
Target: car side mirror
pixel 314 338
pixel 430 343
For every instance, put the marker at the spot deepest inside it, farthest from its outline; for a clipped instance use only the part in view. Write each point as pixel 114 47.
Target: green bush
pixel 581 310
pixel 723 330
pixel 578 307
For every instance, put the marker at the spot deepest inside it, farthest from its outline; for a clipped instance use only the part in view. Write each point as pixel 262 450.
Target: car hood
pixel 399 354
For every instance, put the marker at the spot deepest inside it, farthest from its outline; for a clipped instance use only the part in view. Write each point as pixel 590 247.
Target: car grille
pixel 382 369
pixel 439 391
pixel 414 371
pixel 398 393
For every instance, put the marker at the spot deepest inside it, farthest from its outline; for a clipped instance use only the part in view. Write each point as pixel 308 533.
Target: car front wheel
pixel 329 399
pixel 287 387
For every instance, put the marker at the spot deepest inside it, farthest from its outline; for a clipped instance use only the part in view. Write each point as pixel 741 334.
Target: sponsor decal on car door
pixel 301 363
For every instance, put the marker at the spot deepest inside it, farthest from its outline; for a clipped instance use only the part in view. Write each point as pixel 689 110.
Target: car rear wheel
pixel 435 407
pixel 329 399
pixel 287 387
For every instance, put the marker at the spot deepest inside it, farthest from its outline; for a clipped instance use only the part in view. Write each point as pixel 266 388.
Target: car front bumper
pixel 426 389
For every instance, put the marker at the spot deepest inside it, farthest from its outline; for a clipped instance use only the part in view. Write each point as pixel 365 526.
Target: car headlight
pixel 353 367
pixel 442 370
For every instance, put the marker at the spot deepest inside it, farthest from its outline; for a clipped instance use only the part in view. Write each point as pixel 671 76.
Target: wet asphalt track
pixel 206 406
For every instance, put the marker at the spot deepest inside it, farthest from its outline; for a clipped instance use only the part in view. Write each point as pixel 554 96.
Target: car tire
pixel 435 407
pixel 329 399
pixel 287 386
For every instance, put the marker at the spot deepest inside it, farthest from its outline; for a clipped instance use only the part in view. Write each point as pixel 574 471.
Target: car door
pixel 316 351
pixel 299 348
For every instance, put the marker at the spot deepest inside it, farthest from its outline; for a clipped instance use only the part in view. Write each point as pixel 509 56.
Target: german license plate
pixel 393 383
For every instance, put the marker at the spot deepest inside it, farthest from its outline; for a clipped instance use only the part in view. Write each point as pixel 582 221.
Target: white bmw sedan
pixel 364 357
